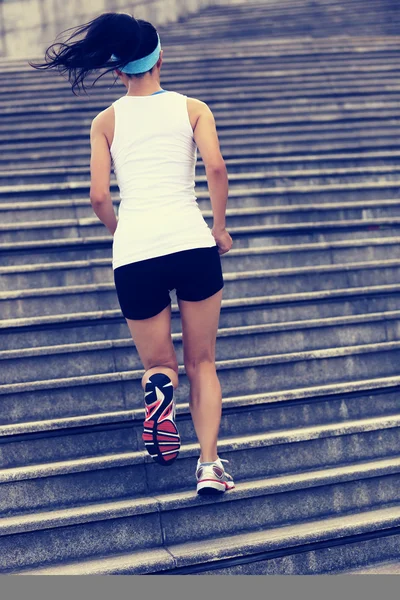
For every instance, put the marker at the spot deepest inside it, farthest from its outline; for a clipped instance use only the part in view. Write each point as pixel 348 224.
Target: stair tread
pixel 222 332
pixel 258 440
pixel 226 304
pixel 330 390
pixel 124 375
pixel 254 250
pixel 391 567
pixel 177 500
pixel 256 210
pixel 231 276
pixel 212 550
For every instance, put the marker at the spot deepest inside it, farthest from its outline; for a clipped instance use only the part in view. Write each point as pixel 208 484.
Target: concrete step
pixel 291 23
pixel 300 49
pixel 249 197
pixel 282 9
pixel 302 63
pixel 107 356
pixel 40 213
pixel 50 172
pixel 367 42
pixel 362 128
pixel 297 61
pixel 391 567
pixel 97 325
pixel 279 23
pixel 381 163
pixel 121 390
pixel 305 549
pixel 311 52
pixel 339 103
pixel 17 274
pixel 101 434
pixel 233 146
pixel 170 519
pixel 102 296
pixel 277 238
pixel 355 111
pixel 307 67
pixel 133 474
pixel 297 51
pixel 60 122
pixel 265 133
pixel 263 102
pixel 25 261
pixel 92 228
pixel 23 273
pixel 310 86
pixel 309 103
pixel 313 91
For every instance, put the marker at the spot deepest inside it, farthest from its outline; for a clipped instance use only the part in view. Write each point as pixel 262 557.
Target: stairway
pixel 306 98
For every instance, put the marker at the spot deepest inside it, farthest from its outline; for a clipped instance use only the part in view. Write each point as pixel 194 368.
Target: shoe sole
pixel 160 433
pixel 213 487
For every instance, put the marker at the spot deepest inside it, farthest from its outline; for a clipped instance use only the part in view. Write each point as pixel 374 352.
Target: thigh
pixel 143 294
pixel 153 341
pixel 199 328
pixel 198 274
pixel 142 288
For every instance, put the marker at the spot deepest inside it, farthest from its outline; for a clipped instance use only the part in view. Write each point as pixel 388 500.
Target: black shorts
pixel 143 287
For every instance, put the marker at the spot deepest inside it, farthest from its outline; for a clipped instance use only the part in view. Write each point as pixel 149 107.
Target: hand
pixel 223 240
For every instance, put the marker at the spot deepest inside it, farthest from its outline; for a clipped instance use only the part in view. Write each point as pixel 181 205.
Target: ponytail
pixel 110 33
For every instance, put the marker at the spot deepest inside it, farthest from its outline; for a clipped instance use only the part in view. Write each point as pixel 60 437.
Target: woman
pixel 161 241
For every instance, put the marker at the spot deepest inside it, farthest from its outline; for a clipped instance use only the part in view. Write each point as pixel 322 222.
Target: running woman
pixel 161 241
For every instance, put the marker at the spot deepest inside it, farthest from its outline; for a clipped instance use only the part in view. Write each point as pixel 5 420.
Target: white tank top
pixel 154 157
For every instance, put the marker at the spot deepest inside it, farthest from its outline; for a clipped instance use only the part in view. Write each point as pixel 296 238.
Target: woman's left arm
pixel 100 168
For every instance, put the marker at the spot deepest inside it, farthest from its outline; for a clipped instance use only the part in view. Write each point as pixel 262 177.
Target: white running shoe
pixel 212 477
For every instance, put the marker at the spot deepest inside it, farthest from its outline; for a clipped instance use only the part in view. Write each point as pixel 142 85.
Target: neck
pixel 143 87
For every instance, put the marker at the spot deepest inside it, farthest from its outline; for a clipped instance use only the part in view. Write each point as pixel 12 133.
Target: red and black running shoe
pixel 160 433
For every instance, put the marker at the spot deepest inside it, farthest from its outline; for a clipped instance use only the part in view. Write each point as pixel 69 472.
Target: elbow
pixel 217 167
pixel 97 198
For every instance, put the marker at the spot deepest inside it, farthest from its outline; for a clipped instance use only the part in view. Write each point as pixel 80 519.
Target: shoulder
pixel 103 119
pixel 197 105
pixel 104 123
pixel 196 109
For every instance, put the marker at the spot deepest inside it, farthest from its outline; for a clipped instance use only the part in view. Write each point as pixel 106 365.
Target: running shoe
pixel 212 477
pixel 160 433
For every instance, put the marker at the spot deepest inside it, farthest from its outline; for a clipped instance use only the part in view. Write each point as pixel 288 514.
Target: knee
pixel 194 365
pixel 170 368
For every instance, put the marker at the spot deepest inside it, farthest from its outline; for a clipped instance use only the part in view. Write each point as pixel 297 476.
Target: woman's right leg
pixel 143 293
pixel 199 332
pixel 153 342
pixel 152 338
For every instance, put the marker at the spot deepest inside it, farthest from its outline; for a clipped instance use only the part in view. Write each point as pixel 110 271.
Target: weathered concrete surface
pixel 28 26
pixel 308 342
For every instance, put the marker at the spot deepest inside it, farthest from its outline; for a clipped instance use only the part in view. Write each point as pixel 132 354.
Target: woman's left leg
pixel 153 341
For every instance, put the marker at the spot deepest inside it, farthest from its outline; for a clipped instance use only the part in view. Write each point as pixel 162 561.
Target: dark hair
pixel 110 33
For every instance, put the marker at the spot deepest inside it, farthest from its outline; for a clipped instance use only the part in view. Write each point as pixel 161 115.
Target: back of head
pixel 117 34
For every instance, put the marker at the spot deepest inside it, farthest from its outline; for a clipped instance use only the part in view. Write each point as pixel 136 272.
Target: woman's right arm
pixel 206 137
